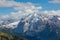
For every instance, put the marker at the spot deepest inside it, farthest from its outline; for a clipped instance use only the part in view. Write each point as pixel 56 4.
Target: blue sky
pixel 33 1
pixel 44 3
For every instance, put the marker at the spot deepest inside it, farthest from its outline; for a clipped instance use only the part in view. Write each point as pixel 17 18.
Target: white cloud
pixel 22 8
pixel 54 1
pixel 17 5
pixel 52 12
pixel 7 3
pixel 19 14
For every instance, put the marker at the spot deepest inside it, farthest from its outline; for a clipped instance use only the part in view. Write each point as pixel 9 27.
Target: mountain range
pixel 35 27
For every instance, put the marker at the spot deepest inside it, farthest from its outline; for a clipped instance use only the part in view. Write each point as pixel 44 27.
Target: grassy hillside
pixel 4 36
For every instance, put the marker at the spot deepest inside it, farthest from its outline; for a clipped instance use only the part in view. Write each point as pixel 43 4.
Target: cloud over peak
pixel 54 1
pixel 52 12
pixel 16 5
pixel 23 9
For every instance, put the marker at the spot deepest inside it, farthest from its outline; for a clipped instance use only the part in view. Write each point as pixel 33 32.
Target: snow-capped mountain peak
pixel 10 25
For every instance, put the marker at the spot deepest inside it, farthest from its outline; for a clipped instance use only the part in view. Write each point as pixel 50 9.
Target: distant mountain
pixel 36 27
pixel 39 27
pixel 9 25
